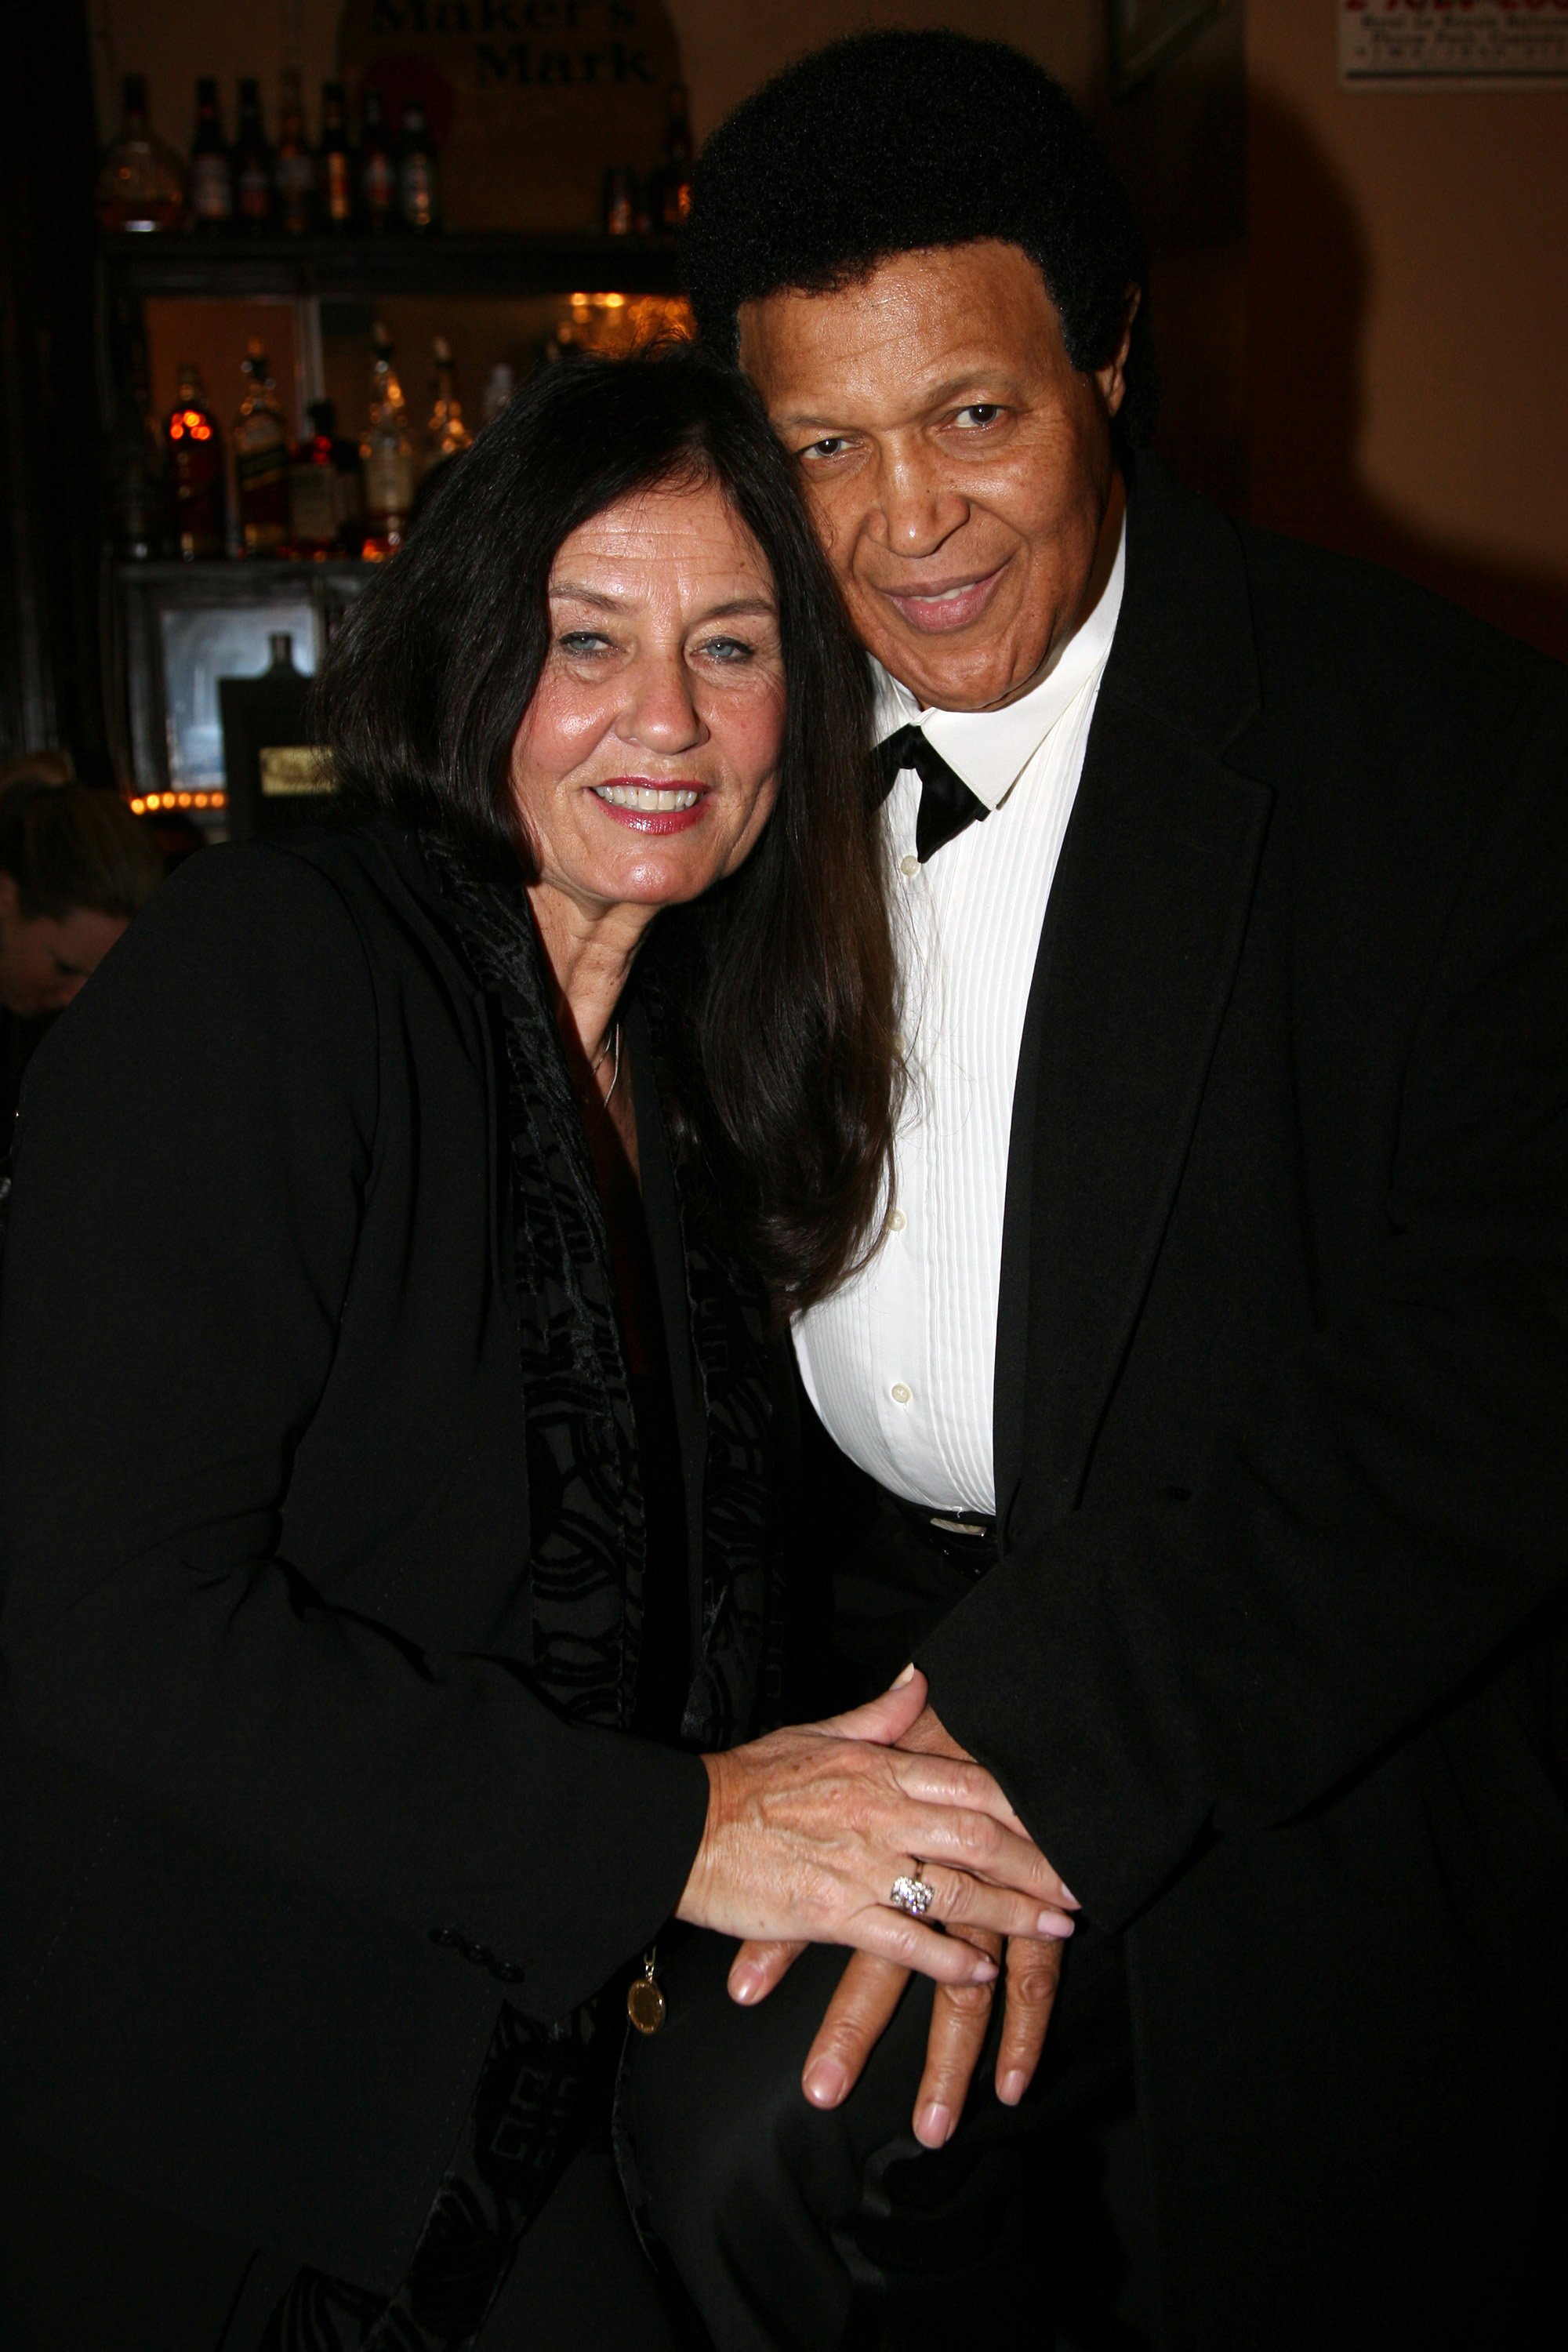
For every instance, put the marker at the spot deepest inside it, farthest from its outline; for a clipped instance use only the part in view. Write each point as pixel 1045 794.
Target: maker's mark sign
pixel 1489 44
pixel 531 100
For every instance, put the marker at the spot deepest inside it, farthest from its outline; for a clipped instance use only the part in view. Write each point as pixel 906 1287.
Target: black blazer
pixel 1274 1665
pixel 264 1525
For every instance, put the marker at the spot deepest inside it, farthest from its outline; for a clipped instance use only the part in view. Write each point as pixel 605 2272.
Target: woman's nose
pixel 662 712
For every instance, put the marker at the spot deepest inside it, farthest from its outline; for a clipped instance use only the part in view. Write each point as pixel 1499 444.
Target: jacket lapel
pixel 1137 956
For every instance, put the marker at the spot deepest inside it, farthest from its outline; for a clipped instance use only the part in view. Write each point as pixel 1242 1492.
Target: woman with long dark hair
pixel 393 1603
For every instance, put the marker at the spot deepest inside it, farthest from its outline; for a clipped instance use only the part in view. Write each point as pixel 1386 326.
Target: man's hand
pixel 870 1989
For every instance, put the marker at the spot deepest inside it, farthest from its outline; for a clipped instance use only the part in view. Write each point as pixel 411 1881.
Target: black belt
pixel 968 1539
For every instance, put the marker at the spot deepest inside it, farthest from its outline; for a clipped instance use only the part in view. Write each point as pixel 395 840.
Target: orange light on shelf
pixel 152 804
pixel 189 423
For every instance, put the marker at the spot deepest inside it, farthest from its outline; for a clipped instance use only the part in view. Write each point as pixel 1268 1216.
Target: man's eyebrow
pixel 982 375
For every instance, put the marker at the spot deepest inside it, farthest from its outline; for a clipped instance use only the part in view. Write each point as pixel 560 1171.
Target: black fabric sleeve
pixel 1392 1511
pixel 197 1145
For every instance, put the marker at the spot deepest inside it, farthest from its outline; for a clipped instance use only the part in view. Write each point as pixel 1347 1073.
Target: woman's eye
pixel 582 641
pixel 979 412
pixel 729 649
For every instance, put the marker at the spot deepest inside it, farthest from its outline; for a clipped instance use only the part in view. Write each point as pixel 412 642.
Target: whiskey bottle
pixel 314 516
pixel 293 165
pixel 194 468
pixel 261 460
pixel 377 172
pixel 142 183
pixel 386 454
pixel 335 163
pixel 210 182
pixel 446 435
pixel 674 179
pixel 138 507
pixel 252 164
pixel 620 201
pixel 418 189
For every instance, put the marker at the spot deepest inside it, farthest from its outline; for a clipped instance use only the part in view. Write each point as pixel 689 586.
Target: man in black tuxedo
pixel 1202 1425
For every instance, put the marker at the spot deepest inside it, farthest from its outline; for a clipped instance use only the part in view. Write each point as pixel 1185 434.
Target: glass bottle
pixel 293 165
pixel 313 513
pixel 335 163
pixel 377 172
pixel 446 435
pixel 675 180
pixel 620 202
pixel 138 507
pixel 252 164
pixel 499 385
pixel 386 452
pixel 210 182
pixel 418 190
pixel 142 183
pixel 261 460
pixel 194 465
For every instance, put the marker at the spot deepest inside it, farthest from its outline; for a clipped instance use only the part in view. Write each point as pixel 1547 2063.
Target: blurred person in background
pixel 75 865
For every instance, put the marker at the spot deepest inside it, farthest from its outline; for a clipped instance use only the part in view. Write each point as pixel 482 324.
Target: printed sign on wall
pixel 1487 43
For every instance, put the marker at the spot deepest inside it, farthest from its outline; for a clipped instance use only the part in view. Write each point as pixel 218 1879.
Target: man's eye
pixel 832 445
pixel 979 412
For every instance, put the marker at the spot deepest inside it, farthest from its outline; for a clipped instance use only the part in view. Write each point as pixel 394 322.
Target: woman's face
pixel 646 763
pixel 45 958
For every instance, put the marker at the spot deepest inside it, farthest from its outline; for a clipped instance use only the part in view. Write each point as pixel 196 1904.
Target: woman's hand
pixel 808 1829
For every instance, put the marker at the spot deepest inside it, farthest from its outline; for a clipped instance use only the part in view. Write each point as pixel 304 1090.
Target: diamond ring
pixel 912 1894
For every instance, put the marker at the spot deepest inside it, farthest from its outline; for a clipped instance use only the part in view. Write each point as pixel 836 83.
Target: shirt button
pixel 900 1393
pixel 909 865
pixel 897 1220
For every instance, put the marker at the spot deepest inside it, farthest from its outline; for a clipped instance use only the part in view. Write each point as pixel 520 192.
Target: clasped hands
pixel 806 1832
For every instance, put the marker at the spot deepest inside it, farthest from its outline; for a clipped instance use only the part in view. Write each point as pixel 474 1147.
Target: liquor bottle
pixel 620 202
pixel 261 460
pixel 350 471
pixel 446 435
pixel 675 180
pixel 335 163
pixel 499 385
pixel 293 165
pixel 377 172
pixel 141 184
pixel 387 451
pixel 210 183
pixel 314 516
pixel 252 164
pixel 138 502
pixel 193 462
pixel 418 189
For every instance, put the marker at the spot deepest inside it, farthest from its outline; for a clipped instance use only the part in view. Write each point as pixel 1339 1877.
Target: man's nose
pixel 919 511
pixel 661 713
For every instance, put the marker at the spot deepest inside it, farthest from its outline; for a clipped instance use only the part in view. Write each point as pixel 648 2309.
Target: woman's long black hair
pixel 781 980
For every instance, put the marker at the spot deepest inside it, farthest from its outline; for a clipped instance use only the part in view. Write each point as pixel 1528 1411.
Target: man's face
pixel 959 468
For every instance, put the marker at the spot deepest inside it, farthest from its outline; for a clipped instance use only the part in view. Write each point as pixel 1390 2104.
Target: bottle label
pixel 294 176
pixel 416 191
pixel 389 481
pixel 211 187
pixel 380 188
pixel 255 192
pixel 313 514
pixel 336 187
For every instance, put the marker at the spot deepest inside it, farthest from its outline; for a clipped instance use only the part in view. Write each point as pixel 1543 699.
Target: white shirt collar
pixel 991 748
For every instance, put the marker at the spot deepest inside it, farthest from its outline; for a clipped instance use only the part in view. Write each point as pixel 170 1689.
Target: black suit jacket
pixel 1273 1664
pixel 262 1473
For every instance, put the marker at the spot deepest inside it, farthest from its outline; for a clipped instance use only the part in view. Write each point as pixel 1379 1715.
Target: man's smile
pixel 944 604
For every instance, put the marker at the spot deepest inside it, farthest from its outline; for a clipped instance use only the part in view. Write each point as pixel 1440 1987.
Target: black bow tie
pixel 947 804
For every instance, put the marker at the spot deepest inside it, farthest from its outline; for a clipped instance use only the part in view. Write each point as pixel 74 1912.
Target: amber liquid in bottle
pixel 194 458
pixel 262 457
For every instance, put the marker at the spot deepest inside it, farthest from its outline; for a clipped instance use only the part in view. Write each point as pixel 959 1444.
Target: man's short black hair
pixel 887 143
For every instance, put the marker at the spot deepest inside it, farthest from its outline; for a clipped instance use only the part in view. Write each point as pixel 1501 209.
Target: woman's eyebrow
pixel 572 595
pixel 738 604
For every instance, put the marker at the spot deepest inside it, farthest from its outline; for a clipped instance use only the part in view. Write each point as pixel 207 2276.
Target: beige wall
pixel 1408 323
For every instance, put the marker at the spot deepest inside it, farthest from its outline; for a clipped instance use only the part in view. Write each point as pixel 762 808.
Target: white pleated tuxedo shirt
pixel 899 1362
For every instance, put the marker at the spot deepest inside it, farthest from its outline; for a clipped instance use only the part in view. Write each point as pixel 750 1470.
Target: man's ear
pixel 1112 377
